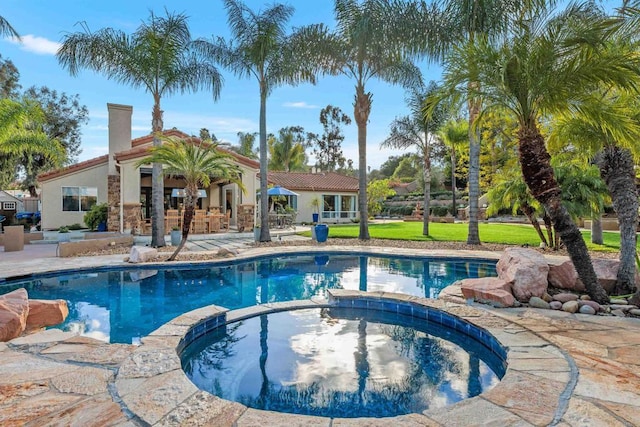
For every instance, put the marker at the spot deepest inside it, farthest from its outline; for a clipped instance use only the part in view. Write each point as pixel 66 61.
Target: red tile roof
pixel 140 147
pixel 73 168
pixel 324 181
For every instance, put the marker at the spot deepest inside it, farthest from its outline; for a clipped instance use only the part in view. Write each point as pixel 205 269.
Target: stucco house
pixel 9 206
pixel 68 193
pixel 337 195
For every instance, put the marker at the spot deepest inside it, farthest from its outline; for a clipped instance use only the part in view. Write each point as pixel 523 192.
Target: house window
pixel 79 199
pixel 9 206
pixel 337 206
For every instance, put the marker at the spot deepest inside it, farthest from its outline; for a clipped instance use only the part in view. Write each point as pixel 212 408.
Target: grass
pixel 509 234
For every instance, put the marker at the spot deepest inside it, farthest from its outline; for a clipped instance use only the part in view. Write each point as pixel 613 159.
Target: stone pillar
pixel 113 201
pixel 132 217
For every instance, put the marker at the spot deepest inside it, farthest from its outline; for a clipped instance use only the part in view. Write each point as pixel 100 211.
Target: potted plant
pixel 176 236
pixel 256 232
pixel 315 205
pixel 96 218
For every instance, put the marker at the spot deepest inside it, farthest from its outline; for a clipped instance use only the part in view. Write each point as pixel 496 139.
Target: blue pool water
pixel 121 306
pixel 340 363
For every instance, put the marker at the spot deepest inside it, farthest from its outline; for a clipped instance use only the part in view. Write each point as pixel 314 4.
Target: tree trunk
pixel 617 170
pixel 473 238
pixel 361 110
pixel 453 181
pixel 531 214
pixel 157 181
pixel 427 187
pixel 187 218
pixel 549 227
pixel 265 236
pixel 540 178
pixel 596 229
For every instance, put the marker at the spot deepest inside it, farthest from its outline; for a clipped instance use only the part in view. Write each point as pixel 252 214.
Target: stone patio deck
pixel 564 369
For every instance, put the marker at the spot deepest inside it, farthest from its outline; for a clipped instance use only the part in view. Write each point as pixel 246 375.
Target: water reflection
pixel 123 306
pixel 340 363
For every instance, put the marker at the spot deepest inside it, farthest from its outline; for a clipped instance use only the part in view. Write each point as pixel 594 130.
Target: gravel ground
pixel 186 255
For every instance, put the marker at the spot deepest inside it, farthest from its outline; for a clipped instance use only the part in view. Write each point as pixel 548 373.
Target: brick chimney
pixel 119 132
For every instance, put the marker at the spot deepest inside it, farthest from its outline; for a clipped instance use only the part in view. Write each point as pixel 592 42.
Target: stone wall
pixel 77 247
pixel 132 217
pixel 113 200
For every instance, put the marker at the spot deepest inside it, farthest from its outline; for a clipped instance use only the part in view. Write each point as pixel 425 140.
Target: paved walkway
pixel 56 378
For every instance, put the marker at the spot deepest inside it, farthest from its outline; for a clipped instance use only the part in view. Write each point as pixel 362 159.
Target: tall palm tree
pixel 21 131
pixel 260 47
pixel 549 65
pixel 417 131
pixel 199 164
pixel 287 152
pixel 7 30
pixel 365 45
pixel 459 23
pixel 158 58
pixel 453 134
pixel 610 141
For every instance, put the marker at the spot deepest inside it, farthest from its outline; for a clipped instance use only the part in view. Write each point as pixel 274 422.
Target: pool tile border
pixel 153 370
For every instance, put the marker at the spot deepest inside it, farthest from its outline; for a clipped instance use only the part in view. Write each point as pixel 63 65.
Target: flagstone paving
pixel 584 371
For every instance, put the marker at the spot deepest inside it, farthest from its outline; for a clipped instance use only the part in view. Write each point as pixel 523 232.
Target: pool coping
pixel 535 389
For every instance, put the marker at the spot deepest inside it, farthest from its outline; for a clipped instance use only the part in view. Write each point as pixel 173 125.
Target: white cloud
pixel 35 44
pixel 301 104
pixel 189 122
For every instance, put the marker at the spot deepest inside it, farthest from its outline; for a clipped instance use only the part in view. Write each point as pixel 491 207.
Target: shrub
pixel 97 214
pixel 75 226
pixel 63 229
pixel 439 210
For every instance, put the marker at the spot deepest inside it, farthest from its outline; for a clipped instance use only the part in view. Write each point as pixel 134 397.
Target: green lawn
pixel 510 234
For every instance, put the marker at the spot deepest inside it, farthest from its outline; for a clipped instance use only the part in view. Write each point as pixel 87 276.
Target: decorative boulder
pixel 488 290
pixel 526 270
pixel 563 275
pixel 46 313
pixel 142 254
pixel 14 309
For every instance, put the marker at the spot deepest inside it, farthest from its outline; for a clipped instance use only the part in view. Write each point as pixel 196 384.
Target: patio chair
pixel 172 219
pixel 199 223
pixel 224 221
pixel 145 224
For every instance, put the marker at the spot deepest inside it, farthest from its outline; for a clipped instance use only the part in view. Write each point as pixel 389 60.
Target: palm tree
pixel 158 57
pixel 610 141
pixel 7 30
pixel 287 152
pixel 261 48
pixel 21 131
pixel 417 131
pixel 199 164
pixel 365 45
pixel 245 145
pixel 549 65
pixel 453 134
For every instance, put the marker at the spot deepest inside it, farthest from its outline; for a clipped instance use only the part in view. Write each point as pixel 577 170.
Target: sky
pixel 42 25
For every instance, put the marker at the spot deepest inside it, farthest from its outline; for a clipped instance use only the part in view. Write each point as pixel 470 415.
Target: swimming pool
pixel 124 305
pixel 341 363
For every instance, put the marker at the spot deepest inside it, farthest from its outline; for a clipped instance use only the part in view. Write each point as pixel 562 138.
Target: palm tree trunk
pixel 540 178
pixel 361 110
pixel 265 236
pixel 157 182
pixel 427 188
pixel 531 215
pixel 596 229
pixel 187 218
pixel 473 238
pixel 617 170
pixel 453 181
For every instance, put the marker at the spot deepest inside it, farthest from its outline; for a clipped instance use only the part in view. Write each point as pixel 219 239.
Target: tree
pixel 548 65
pixel 245 145
pixel 7 30
pixel 159 58
pixel 328 147
pixel 453 134
pixel 261 48
pixel 9 77
pixel 287 152
pixel 378 191
pixel 609 141
pixel 417 131
pixel 63 117
pixel 366 44
pixel 198 163
pixel 207 136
